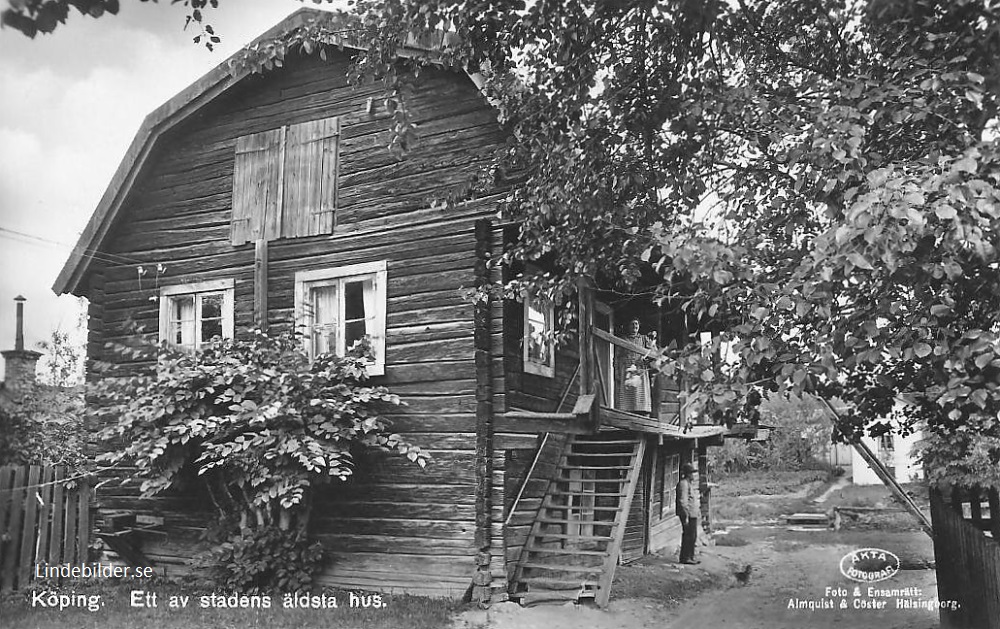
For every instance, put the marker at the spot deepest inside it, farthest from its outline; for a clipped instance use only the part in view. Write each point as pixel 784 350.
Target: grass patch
pixel 639 580
pixel 731 540
pixel 788 546
pixel 749 510
pixel 762 496
pixel 876 495
pixel 116 611
pixel 869 497
pixel 767 483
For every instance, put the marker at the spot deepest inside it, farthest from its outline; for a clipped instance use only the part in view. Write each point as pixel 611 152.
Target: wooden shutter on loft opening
pixel 257 177
pixel 310 188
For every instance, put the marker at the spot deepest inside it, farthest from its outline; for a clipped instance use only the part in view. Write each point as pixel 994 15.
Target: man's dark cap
pixel 687 468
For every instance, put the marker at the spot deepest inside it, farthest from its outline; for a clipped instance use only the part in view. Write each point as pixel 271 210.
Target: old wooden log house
pixel 270 201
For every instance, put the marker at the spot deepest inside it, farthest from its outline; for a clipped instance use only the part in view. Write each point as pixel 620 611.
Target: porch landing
pixel 623 420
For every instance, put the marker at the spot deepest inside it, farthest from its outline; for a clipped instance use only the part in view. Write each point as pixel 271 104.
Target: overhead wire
pixel 100 256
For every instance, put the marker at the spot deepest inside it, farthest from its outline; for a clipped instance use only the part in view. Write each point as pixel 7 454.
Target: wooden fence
pixel 44 519
pixel 967 556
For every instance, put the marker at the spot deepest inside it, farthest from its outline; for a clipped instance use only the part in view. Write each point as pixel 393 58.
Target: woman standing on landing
pixel 632 370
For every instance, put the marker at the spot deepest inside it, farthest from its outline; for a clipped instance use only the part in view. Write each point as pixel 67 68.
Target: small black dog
pixel 743 576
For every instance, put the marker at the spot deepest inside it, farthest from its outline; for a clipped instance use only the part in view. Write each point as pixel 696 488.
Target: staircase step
pixel 559 507
pixel 548 520
pixel 603 458
pixel 546 562
pixel 559 584
pixel 601 452
pixel 565 492
pixel 566 551
pixel 554 568
pixel 582 538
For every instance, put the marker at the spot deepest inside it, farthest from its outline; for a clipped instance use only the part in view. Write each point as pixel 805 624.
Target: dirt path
pixel 790 572
pixel 786 583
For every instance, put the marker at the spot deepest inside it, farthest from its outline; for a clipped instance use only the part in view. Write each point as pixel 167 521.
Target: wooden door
pixel 604 319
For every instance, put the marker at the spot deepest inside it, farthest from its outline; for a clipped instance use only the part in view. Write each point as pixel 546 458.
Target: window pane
pixel 211 316
pixel 538 329
pixel 355 331
pixel 359 311
pixel 535 314
pixel 182 324
pixel 210 328
pixel 211 306
pixel 354 300
pixel 537 347
pixel 323 318
pixel 182 308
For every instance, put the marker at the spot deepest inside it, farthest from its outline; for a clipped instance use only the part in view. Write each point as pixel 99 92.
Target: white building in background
pixel 899 453
pixel 840 455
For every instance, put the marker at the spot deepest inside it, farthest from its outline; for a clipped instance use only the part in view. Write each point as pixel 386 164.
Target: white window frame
pixel 547 308
pixel 304 282
pixel 198 289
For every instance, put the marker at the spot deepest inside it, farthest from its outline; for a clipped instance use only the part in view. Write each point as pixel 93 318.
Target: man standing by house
pixel 687 511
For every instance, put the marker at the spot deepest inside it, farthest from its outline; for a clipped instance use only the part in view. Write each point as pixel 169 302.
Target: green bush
pixel 260 427
pixel 265 559
pixel 800 435
pixel 44 427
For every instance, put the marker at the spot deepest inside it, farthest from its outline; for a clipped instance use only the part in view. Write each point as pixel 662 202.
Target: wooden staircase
pixel 575 540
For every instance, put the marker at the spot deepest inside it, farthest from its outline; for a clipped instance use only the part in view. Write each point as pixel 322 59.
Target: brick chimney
pixel 19 362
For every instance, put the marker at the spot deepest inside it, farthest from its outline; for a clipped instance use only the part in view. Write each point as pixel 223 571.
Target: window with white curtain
pixel 338 307
pixel 539 336
pixel 191 315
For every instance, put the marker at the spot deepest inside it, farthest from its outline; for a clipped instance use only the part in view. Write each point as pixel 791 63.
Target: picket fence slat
pixel 58 513
pixel 45 514
pixel 69 538
pixel 41 521
pixel 13 532
pixel 28 536
pixel 83 529
pixel 6 500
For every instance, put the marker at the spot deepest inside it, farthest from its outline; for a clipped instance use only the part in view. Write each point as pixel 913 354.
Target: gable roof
pixel 167 116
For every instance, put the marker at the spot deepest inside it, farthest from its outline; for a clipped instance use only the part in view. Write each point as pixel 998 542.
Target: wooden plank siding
pixel 396 527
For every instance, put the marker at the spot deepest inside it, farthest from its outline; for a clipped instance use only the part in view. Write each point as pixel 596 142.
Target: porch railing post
pixel 585 312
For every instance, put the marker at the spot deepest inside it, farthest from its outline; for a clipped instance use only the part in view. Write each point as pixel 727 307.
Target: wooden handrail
pixel 527 477
pixel 647 352
pixel 569 386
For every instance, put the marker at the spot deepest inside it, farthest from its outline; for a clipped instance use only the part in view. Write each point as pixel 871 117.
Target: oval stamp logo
pixel 868 565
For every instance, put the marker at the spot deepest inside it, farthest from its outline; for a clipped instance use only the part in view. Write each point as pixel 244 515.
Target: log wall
pixel 398 527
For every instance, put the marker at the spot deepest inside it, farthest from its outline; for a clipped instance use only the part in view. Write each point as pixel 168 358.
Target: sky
pixel 70 104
